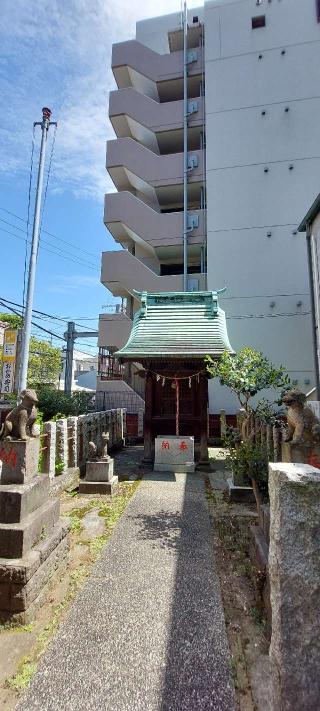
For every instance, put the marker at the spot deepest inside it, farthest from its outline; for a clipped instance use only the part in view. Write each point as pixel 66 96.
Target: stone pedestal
pixel 294 555
pixel 19 460
pixel 301 453
pixel 33 541
pixel 174 454
pixel 99 478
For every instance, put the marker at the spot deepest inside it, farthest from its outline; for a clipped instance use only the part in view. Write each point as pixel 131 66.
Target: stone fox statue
pixel 20 421
pixel 303 425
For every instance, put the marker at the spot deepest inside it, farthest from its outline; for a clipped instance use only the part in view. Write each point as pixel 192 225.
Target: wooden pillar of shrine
pixel 148 454
pixel 203 396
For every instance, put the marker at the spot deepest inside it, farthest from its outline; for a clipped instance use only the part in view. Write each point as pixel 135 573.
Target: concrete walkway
pixel 147 631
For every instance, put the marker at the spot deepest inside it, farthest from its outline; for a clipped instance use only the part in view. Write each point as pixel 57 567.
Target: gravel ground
pixel 147 631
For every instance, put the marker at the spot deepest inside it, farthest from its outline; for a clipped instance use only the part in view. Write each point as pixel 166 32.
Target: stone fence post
pixel 294 568
pixel 72 423
pixel 140 422
pixel 223 424
pixel 276 437
pixel 66 440
pixel 49 441
pixel 124 423
pixel 85 437
pixel 62 445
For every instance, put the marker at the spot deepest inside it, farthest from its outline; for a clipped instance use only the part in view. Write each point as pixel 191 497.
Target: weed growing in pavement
pixel 13 627
pixel 210 495
pixel 258 616
pixel 24 674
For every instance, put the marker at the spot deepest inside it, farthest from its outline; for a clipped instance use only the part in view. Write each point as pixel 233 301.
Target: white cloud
pixel 69 284
pixel 57 53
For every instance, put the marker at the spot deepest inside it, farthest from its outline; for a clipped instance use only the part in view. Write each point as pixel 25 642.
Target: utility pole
pixel 45 123
pixel 70 338
pixel 185 147
pixel 70 335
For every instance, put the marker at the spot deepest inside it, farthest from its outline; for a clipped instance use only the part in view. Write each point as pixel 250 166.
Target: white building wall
pixel 263 170
pixel 315 251
pixel 252 215
pixel 154 32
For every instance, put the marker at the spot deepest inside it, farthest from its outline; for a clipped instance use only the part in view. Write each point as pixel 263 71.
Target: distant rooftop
pixel 177 325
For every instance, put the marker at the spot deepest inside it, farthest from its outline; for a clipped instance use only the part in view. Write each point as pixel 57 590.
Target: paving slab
pixel 147 631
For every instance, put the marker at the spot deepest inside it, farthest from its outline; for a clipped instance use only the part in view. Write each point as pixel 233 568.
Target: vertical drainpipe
pixel 315 330
pixel 185 148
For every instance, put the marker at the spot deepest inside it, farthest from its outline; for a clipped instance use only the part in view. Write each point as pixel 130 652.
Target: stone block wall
pixel 64 443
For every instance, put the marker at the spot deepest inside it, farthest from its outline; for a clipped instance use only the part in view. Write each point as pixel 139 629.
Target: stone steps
pixel 17 539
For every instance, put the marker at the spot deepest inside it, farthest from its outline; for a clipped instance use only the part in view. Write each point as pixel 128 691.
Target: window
pixel 195 19
pixel 318 9
pixel 259 21
pixel 169 269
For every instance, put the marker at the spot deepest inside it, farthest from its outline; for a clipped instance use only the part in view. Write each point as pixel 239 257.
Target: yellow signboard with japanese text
pixel 8 361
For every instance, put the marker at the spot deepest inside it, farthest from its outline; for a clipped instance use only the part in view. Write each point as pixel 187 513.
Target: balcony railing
pixel 108 367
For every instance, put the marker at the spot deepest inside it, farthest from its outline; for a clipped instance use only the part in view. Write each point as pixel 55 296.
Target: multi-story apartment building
pixel 253 169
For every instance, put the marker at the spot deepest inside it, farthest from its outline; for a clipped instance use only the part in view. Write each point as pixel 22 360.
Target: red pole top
pixel 46 113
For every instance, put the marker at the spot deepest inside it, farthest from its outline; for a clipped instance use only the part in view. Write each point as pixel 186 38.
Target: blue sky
pixel 57 53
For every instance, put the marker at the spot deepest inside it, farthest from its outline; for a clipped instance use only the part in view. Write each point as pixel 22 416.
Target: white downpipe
pixel 185 148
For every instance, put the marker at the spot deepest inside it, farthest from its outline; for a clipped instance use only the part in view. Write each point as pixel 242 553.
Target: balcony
pixel 155 125
pixel 108 367
pixel 159 76
pixel 122 274
pixel 132 165
pixel 128 218
pixel 114 330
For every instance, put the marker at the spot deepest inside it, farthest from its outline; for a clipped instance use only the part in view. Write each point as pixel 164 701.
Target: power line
pixel 34 324
pixel 28 219
pixel 43 313
pixel 50 234
pixel 48 176
pixel 42 241
pixel 240 316
pixel 57 254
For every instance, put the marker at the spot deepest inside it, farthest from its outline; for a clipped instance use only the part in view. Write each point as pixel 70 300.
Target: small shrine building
pixel 171 335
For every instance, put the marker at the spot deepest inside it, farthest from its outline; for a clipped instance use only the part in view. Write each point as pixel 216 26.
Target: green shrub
pixel 54 404
pixel 248 461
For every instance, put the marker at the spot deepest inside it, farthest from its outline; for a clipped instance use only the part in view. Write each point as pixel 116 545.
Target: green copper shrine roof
pixel 176 325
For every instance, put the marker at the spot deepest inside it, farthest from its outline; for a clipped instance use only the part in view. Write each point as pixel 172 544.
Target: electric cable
pixel 48 176
pixel 43 313
pixel 34 324
pixel 28 219
pixel 50 234
pixel 43 241
pixel 57 254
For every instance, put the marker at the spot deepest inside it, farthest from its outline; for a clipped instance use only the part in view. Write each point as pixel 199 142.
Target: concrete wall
pixel 154 32
pixel 315 248
pixel 249 72
pixel 114 330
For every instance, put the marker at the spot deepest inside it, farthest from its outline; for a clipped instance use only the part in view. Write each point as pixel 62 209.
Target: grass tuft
pixel 24 674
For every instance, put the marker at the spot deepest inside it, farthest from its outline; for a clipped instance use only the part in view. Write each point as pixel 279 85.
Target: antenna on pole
pixel 45 124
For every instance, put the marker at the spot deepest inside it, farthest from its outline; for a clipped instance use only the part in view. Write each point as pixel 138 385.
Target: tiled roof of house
pixel 176 325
